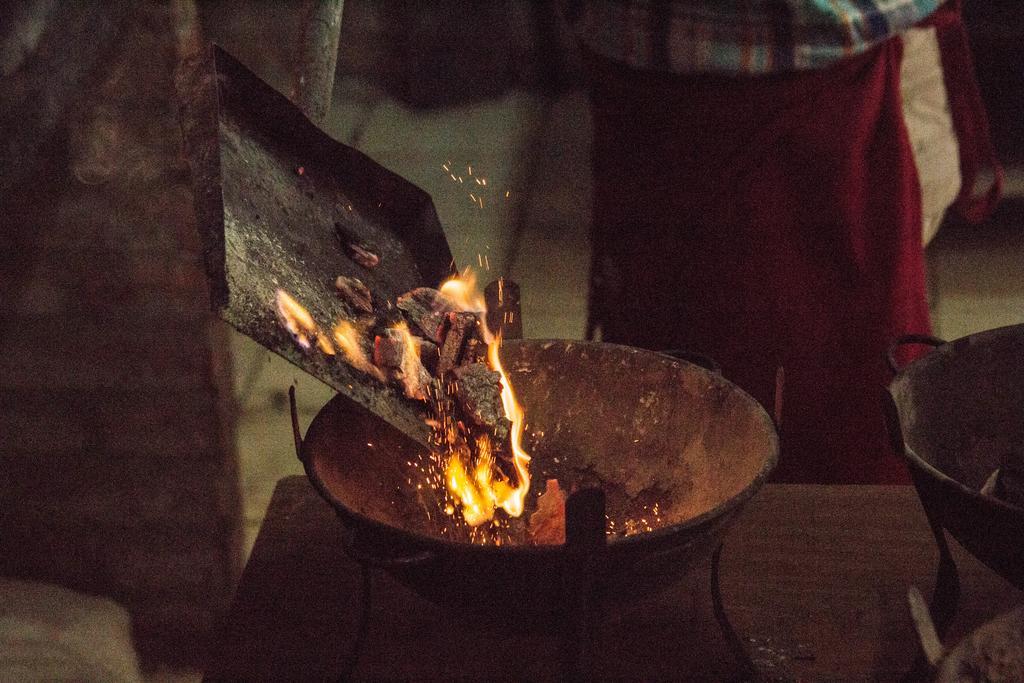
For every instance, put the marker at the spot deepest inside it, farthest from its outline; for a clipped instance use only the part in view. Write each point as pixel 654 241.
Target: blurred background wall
pixel 118 471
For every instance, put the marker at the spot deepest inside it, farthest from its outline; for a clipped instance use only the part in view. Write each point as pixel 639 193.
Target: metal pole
pixel 313 79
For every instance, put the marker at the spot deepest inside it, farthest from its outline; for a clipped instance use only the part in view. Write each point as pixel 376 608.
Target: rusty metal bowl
pixel 643 426
pixel 955 414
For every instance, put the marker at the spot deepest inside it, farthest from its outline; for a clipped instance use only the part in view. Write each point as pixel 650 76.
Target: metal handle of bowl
pixel 348 538
pixel 296 430
pixel 906 339
pixel 700 359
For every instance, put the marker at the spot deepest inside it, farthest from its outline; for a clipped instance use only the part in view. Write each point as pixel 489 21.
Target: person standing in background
pixel 766 173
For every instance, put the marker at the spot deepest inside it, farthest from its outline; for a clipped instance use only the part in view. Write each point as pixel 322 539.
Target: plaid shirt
pixel 738 36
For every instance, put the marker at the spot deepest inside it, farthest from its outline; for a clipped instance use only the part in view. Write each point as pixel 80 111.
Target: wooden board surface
pixel 814 578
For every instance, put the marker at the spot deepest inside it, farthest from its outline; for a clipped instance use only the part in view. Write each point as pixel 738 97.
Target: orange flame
pixel 462 290
pixel 300 324
pixel 513 502
pixel 348 340
pixel 476 507
pixel 487 489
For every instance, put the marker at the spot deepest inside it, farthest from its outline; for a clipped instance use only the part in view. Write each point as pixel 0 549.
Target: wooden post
pixel 188 34
pixel 317 58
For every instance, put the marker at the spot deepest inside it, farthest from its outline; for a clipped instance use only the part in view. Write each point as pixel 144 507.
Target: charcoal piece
pixel 427 309
pixel 415 378
pixel 478 393
pixel 353 292
pixel 351 339
pixel 461 325
pixel 391 354
pixel 474 350
pixel 388 349
pixel 365 254
pixel 430 354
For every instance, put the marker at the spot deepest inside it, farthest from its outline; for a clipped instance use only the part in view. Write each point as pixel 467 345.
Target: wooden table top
pixel 814 578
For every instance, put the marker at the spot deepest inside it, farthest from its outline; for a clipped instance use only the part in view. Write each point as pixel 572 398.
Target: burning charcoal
pixel 478 393
pixel 427 309
pixel 354 293
pixel 415 378
pixel 299 323
pixel 460 326
pixel 363 253
pixel 547 524
pixel 388 349
pixel 396 352
pixel 350 338
pixel 474 350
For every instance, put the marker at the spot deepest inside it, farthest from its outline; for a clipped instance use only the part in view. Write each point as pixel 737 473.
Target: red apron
pixel 774 221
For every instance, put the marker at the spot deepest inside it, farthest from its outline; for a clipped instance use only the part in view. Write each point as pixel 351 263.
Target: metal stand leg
pixel 580 633
pixel 362 626
pixel 947 584
pixel 584 543
pixel 944 601
pixel 747 670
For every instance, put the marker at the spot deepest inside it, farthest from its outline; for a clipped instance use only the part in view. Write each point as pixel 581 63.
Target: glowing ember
pixel 547 524
pixel 481 186
pixel 299 323
pixel 415 377
pixel 411 358
pixel 349 340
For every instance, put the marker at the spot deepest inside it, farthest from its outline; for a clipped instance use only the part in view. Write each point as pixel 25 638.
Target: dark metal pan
pixel 639 425
pixel 278 202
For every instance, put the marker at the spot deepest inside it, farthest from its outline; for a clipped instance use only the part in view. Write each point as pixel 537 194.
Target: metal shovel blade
pixel 277 203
